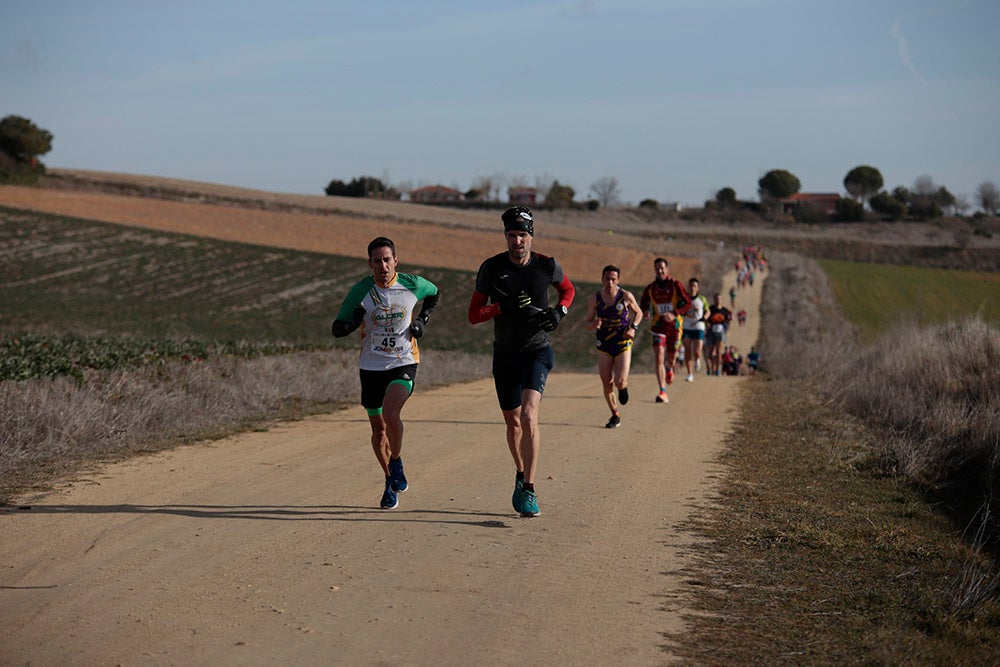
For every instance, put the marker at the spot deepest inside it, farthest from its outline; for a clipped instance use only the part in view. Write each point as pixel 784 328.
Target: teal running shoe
pixel 389 500
pixel 529 504
pixel 517 499
pixel 396 476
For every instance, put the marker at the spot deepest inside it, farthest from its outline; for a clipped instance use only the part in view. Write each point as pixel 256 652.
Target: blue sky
pixel 673 98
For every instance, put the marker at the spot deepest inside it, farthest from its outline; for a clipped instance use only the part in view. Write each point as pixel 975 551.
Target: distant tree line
pixel 22 143
pixel 924 201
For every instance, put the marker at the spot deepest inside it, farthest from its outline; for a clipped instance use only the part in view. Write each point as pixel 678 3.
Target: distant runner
pixel 614 314
pixel 694 330
pixel 666 301
pixel 719 318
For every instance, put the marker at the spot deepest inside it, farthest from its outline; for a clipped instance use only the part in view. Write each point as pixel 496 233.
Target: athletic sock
pixel 520 475
pixel 529 487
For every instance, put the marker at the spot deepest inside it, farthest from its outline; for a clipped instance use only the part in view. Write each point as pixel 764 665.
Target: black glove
pixel 341 329
pixel 417 327
pixel 514 303
pixel 549 319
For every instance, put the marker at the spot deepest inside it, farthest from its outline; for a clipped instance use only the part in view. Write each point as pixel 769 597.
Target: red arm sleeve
pixel 644 300
pixel 682 301
pixel 566 292
pixel 479 311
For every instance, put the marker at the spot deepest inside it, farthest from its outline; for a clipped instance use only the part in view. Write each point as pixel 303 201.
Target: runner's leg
pixel 605 366
pixel 530 441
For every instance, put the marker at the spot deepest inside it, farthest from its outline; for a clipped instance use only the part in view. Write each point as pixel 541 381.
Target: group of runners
pixel 512 290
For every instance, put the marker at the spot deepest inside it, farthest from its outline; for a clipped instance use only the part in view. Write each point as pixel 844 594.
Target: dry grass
pixel 816 552
pixel 814 558
pixel 51 428
pixel 935 392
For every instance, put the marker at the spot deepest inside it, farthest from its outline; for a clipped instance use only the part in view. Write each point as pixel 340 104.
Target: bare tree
pixel 488 186
pixel 962 205
pixel 924 185
pixel 517 181
pixel 543 182
pixel 606 190
pixel 988 197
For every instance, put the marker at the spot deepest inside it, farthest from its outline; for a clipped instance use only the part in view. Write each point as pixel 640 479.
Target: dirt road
pixel 268 548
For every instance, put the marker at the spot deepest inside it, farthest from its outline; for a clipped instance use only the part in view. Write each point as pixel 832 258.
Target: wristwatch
pixel 563 310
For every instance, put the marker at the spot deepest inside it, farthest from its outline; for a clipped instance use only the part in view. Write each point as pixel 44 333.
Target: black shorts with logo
pixel 374 383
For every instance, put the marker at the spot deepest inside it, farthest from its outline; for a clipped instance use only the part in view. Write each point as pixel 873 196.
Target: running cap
pixel 518 219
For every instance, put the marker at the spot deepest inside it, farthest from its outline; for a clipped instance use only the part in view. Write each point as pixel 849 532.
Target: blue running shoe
pixel 396 476
pixel 517 499
pixel 389 500
pixel 529 504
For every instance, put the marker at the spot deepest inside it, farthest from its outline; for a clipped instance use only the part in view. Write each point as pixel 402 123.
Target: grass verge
pixel 810 556
pixel 874 296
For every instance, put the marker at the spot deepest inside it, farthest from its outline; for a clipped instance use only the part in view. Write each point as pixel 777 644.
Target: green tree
pixel 862 182
pixel 849 210
pixel 944 199
pixel 559 196
pixel 889 206
pixel 651 204
pixel 902 194
pixel 363 186
pixel 779 184
pixel 23 140
pixel 726 196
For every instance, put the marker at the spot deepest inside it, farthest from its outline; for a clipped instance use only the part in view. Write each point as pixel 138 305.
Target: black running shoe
pixel 623 395
pixel 613 422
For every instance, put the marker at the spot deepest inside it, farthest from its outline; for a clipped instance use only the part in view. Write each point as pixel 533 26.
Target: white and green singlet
pixel 385 330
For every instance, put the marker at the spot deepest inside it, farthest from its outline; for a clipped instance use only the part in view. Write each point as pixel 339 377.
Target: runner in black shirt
pixel 512 290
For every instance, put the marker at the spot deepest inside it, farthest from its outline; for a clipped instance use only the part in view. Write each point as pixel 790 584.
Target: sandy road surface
pixel 267 548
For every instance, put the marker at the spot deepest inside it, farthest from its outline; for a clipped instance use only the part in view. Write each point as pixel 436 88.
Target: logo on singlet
pixel 388 316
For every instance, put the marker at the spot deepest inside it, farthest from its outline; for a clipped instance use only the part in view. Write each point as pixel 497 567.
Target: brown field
pixel 423 235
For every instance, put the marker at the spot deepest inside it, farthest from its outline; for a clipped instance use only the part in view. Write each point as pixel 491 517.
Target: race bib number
pixel 665 308
pixel 718 328
pixel 387 345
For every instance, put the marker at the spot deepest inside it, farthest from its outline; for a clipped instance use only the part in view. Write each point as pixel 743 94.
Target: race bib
pixel 665 308
pixel 387 344
pixel 718 328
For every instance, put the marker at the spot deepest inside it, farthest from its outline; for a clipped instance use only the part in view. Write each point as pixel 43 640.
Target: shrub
pixel 890 207
pixel 809 213
pixel 849 210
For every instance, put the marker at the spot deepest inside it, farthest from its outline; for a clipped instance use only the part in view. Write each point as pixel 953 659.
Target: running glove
pixel 517 302
pixel 417 327
pixel 549 319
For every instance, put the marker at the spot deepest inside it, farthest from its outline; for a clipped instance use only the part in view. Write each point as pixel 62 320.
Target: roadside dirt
pixel 268 547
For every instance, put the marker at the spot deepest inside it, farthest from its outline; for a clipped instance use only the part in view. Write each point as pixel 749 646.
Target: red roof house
pixel 435 194
pixel 826 201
